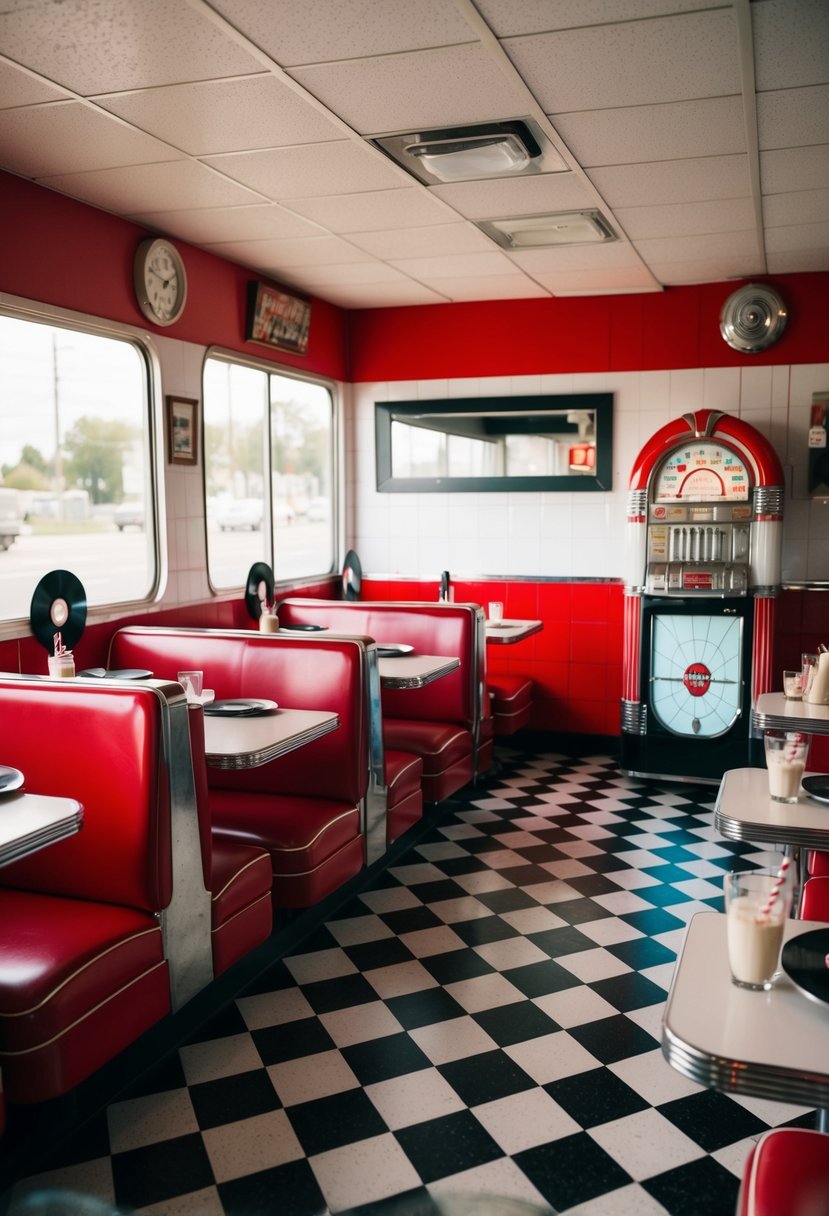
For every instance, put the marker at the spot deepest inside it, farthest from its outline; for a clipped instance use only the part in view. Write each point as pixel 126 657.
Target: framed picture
pixel 278 320
pixel 182 430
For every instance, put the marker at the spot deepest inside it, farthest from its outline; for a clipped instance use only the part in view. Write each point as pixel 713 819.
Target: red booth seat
pixel 786 1174
pixel 814 903
pixel 441 722
pixel 404 785
pixel 305 808
pixel 511 702
pixel 82 964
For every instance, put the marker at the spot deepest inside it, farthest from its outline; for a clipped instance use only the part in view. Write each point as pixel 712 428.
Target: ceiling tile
pixel 180 184
pixel 793 117
pixel 71 137
pixel 686 219
pixel 344 167
pixel 431 241
pixel 321 277
pixel 224 115
pixel 468 264
pixel 794 169
pixel 791 43
pixel 384 295
pixel 119 44
pixel 798 207
pixel 21 88
pixel 302 251
pixel 373 211
pixel 793 261
pixel 537 16
pixel 598 282
pixel 797 236
pixel 673 181
pixel 708 270
pixel 437 88
pixel 330 29
pixel 712 127
pixel 517 196
pixel 265 221
pixel 614 255
pixel 688 248
pixel 491 287
pixel 696 53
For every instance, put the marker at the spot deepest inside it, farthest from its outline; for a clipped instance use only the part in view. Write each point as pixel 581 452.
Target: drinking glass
pixel 757 904
pixel 495 612
pixel 785 760
pixel 191 682
pixel 793 685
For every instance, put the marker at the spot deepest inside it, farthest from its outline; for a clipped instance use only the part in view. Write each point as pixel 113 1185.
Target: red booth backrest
pixel 297 673
pixel 445 629
pixel 102 746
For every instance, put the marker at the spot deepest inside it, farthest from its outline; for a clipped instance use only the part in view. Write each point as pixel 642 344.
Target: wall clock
pixel 160 280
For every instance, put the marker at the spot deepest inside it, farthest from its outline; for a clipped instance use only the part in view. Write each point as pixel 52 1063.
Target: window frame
pixel 334 389
pixel 23 309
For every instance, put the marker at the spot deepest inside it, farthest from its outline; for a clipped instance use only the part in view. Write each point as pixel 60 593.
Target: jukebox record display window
pixel 695 680
pixel 702 472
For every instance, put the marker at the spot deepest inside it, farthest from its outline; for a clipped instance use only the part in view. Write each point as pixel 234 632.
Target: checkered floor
pixel 483 1020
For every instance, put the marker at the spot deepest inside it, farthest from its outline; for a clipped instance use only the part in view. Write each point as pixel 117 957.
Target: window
pixel 75 467
pixel 276 508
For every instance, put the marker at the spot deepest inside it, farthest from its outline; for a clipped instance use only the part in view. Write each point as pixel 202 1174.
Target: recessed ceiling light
pixel 486 150
pixel 547 231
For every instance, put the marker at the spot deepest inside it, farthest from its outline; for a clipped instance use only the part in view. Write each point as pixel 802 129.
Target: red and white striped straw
pixel 775 888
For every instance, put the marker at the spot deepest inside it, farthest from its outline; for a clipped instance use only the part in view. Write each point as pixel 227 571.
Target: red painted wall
pixel 62 252
pixel 678 327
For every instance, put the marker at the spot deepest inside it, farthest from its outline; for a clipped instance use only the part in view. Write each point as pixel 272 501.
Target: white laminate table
pixel 511 631
pixel 766 1044
pixel 414 670
pixel 745 811
pixel 29 822
pixel 247 742
pixel 773 711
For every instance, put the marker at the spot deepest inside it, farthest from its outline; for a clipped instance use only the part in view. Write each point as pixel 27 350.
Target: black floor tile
pixel 571 1170
pixel 485 1077
pixel 594 1097
pixel 440 1147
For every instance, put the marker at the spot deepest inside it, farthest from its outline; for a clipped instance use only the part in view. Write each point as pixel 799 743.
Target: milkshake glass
pixel 757 905
pixel 785 760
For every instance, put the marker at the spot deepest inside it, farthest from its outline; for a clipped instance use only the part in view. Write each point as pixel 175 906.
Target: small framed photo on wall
pixel 277 319
pixel 182 430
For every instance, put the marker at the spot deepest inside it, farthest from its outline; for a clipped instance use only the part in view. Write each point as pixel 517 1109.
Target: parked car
pixel 129 515
pixel 11 518
pixel 318 509
pixel 240 515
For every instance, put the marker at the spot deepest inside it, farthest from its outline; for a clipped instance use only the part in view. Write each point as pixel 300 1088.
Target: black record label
pixel 259 589
pixel 58 606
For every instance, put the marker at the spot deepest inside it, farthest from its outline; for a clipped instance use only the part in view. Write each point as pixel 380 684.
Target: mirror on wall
pixel 555 442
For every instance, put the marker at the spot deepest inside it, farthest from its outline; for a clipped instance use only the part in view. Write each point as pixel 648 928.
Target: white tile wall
pixel 580 535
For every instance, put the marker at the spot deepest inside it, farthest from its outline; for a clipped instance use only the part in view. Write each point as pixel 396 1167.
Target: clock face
pixel 160 281
pixel 695 685
pixel 702 472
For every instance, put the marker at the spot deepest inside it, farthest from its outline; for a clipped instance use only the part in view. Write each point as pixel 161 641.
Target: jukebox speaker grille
pixel 753 318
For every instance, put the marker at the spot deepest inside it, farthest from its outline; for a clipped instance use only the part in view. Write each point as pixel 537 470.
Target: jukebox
pixel 704 536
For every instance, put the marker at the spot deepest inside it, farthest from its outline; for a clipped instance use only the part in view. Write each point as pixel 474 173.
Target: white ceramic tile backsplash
pixel 580 535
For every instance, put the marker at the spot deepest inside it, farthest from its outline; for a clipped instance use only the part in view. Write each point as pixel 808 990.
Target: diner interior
pixel 414 565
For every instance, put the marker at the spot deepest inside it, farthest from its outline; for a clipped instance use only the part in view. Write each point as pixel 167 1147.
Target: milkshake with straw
pixel 62 662
pixel 757 905
pixel 785 760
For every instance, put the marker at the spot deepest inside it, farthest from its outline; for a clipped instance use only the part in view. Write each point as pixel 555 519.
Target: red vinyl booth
pixel 305 808
pixel 441 723
pixel 82 966
pixel 786 1174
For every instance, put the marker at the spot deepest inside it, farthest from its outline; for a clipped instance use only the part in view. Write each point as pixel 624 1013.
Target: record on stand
pixel 352 576
pixel 259 589
pixel 58 606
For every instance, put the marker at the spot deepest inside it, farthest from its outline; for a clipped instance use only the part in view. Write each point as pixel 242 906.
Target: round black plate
pixel 817 786
pixel 392 650
pixel 246 707
pixel 803 958
pixel 119 673
pixel 352 576
pixel 260 579
pixel 305 628
pixel 58 606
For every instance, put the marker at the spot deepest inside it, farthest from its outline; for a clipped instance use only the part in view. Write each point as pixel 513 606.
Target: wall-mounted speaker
pixel 753 318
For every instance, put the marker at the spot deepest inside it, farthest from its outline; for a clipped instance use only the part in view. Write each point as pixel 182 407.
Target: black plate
pixel 242 707
pixel 817 786
pixel 117 673
pixel 305 628
pixel 803 958
pixel 10 779
pixel 392 650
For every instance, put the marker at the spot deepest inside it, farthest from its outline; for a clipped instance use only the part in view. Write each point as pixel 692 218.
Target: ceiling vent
pixel 753 318
pixel 548 231
pixel 461 154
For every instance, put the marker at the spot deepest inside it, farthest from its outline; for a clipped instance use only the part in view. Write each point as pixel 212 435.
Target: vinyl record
pixel 259 587
pixel 352 576
pixel 58 606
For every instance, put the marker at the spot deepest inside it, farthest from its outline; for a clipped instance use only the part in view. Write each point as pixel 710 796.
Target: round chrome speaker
pixel 753 318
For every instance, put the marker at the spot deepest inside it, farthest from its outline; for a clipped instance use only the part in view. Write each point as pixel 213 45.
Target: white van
pixel 11 517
